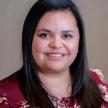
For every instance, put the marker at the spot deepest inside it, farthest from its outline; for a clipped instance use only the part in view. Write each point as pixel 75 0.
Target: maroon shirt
pixel 12 97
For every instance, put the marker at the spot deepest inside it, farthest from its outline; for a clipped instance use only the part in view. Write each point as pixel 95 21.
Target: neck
pixel 58 85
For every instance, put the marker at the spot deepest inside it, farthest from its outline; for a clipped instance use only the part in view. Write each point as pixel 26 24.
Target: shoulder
pixel 10 93
pixel 98 76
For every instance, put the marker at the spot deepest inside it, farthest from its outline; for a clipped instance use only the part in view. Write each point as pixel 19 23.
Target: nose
pixel 56 42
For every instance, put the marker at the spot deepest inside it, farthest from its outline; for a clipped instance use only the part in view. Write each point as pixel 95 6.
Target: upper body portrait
pixel 55 72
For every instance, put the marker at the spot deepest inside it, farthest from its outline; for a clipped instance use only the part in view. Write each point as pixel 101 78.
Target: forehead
pixel 57 18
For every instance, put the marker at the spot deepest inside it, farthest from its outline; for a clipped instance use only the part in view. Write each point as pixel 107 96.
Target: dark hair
pixel 83 86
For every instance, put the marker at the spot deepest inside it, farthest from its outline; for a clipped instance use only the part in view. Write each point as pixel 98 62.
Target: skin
pixel 54 49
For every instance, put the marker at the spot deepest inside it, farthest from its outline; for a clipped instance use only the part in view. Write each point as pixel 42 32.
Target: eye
pixel 67 36
pixel 44 35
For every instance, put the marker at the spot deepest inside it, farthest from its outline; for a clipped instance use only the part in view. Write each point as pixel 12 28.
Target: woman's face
pixel 55 42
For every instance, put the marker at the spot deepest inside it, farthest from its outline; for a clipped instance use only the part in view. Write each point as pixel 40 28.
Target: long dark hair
pixel 83 87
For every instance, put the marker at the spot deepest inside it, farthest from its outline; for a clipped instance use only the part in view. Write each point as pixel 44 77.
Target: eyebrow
pixel 68 31
pixel 49 31
pixel 44 30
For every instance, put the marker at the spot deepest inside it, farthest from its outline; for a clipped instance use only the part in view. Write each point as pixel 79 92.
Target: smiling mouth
pixel 55 54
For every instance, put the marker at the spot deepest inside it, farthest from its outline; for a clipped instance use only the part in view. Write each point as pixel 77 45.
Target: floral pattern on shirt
pixel 63 102
pixel 60 103
pixel 23 104
pixel 3 100
pixel 102 86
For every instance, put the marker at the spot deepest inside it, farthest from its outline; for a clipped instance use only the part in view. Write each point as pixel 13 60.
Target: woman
pixel 55 72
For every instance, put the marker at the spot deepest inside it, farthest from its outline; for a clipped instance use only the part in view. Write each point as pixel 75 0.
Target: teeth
pixel 57 55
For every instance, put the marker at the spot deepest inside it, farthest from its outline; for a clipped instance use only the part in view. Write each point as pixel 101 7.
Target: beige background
pixel 12 15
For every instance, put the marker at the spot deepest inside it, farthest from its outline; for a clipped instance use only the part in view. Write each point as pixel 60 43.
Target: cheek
pixel 73 50
pixel 37 49
pixel 36 46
